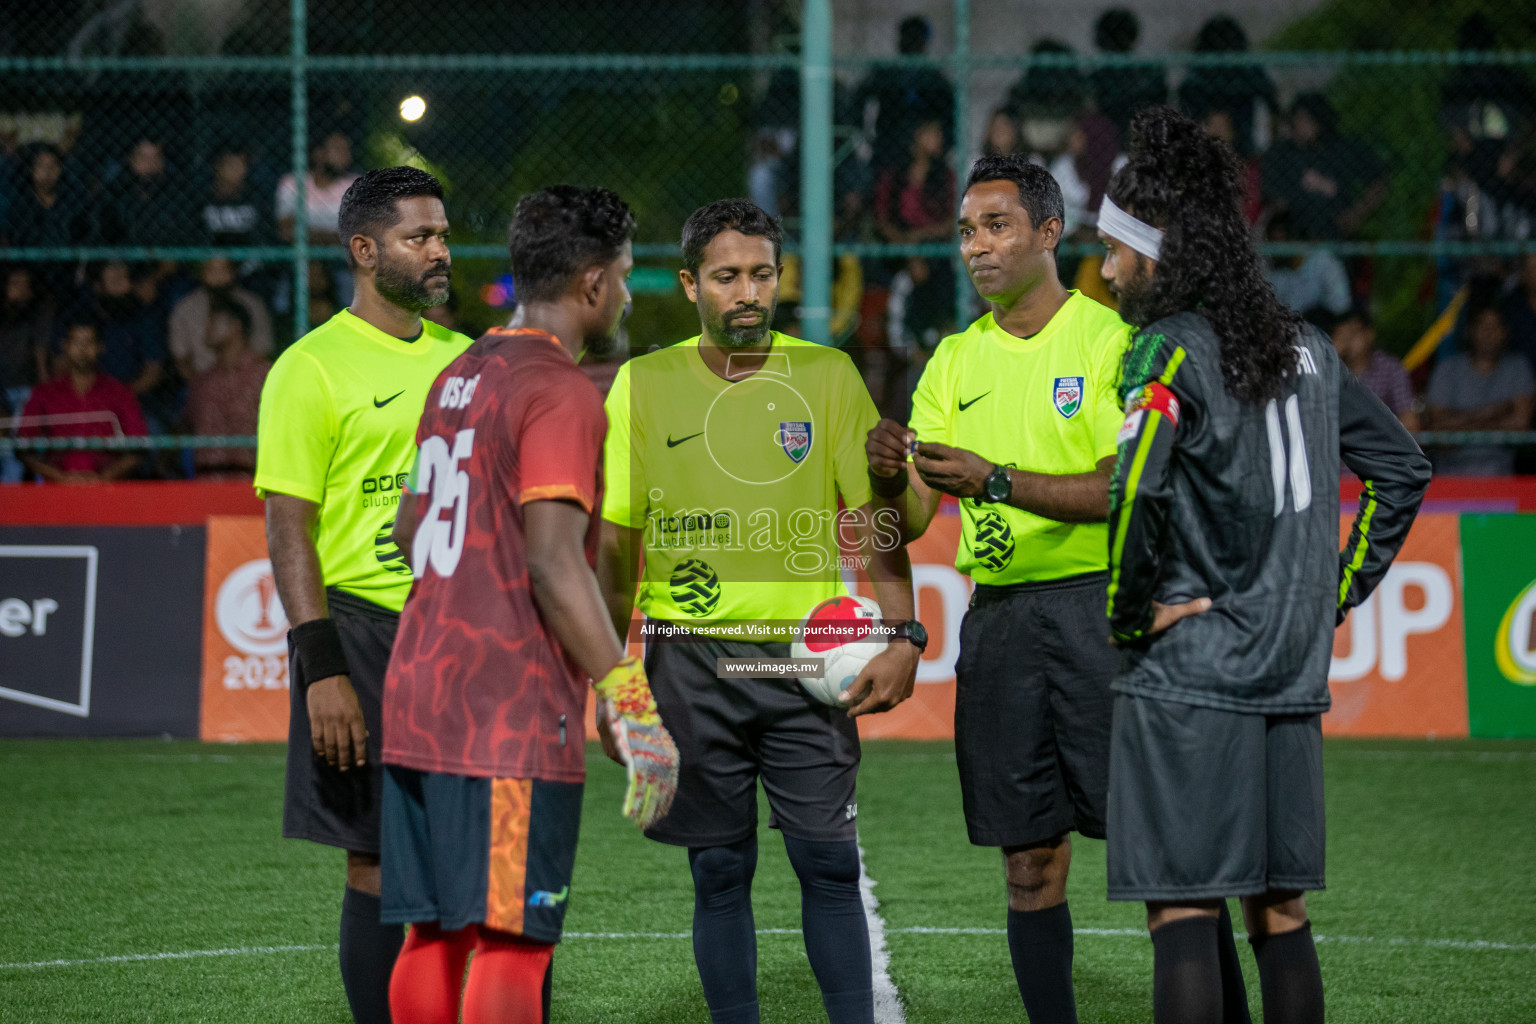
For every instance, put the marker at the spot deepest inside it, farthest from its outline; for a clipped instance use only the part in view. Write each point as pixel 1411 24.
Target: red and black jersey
pixel 477 683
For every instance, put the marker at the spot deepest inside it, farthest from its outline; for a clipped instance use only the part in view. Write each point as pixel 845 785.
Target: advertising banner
pixel 1397 665
pixel 942 597
pixel 1499 559
pixel 94 630
pixel 245 637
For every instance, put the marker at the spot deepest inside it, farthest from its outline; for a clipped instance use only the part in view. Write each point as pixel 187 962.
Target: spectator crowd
pixel 1308 182
pixel 123 348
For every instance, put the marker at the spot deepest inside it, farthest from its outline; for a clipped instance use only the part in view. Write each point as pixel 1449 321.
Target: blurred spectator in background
pixel 26 333
pixel 1484 387
pixel 82 401
pixel 132 336
pixel 1046 100
pixel 1487 101
pixel 1119 92
pixel 915 203
pixel 224 398
pixel 905 98
pixel 49 208
pixel 1244 90
pixel 233 214
pixel 190 346
pixel 1329 182
pixel 1218 122
pixel 330 173
pixel 1002 137
pixel 146 206
pixel 766 169
pixel 1354 338
pixel 1520 311
pixel 1314 280
pixel 1083 169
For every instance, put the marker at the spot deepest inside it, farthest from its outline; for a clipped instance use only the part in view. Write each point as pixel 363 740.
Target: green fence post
pixel 816 172
pixel 298 53
pixel 962 69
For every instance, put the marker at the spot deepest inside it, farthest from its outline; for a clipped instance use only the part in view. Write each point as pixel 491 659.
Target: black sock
pixel 724 936
pixel 1289 977
pixel 836 930
pixel 1040 943
pixel 1234 994
pixel 368 951
pixel 1186 972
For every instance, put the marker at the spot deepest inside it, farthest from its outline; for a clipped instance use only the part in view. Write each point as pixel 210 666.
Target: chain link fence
pixel 150 150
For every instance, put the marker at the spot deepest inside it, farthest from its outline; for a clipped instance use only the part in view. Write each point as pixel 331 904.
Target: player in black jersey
pixel 1226 579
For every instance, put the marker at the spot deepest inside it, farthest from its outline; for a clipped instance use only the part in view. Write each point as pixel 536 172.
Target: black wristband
pixel 317 649
pixel 888 486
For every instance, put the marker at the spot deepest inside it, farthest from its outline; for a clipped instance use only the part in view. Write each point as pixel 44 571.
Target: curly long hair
pixel 1185 181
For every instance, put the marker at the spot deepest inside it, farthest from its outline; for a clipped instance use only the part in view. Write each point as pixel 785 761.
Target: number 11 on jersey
pixel 1301 474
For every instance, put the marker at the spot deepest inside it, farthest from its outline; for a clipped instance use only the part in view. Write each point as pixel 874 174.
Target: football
pixel 838 632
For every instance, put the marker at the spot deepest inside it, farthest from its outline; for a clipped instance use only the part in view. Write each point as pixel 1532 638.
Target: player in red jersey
pixel 485 696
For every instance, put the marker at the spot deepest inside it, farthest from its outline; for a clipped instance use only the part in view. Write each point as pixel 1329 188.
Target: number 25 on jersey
pixel 443 479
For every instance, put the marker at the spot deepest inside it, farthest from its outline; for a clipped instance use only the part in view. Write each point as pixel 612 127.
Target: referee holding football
pixel 1017 417
pixel 335 442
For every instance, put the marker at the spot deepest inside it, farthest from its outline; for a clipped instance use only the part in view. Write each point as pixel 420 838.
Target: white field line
pixel 888 1008
pixel 1460 945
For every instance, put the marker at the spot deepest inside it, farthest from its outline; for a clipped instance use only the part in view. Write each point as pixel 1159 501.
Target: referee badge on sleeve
pixel 1068 395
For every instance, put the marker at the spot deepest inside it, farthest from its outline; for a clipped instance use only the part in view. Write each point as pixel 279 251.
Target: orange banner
pixel 942 597
pixel 245 637
pixel 1399 666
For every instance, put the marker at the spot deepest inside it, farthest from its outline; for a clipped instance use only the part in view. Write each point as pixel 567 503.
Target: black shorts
pixel 730 731
pixel 321 803
pixel 464 850
pixel 1032 710
pixel 1205 803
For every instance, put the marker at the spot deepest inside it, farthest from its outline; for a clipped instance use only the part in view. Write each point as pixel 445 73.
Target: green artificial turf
pixel 128 849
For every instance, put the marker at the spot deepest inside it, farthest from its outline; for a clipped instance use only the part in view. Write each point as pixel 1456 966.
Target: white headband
pixel 1139 235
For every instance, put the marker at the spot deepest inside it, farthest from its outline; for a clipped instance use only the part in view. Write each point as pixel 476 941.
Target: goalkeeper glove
pixel 645 746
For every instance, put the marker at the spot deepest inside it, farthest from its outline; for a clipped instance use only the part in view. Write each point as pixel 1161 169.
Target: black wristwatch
pixel 998 485
pixel 913 633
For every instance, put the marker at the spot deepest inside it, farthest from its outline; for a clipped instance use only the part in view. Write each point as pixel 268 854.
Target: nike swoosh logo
pixel 673 444
pixel 379 405
pixel 964 405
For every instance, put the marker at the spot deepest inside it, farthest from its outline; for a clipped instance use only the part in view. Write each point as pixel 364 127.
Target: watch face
pixel 998 485
pixel 917 633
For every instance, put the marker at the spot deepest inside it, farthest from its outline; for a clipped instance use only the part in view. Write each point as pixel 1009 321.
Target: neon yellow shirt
pixel 735 483
pixel 338 427
pixel 1046 404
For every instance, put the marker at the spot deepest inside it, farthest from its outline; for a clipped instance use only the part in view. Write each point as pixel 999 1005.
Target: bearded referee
pixel 336 440
pixel 1016 417
pixel 726 458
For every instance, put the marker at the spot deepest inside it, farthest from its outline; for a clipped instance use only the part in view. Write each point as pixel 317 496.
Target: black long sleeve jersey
pixel 1238 502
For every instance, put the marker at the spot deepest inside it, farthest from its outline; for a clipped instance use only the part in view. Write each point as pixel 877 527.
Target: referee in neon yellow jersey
pixel 1016 416
pixel 336 439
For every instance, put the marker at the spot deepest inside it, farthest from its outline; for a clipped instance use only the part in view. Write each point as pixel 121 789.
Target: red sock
pixel 429 975
pixel 506 980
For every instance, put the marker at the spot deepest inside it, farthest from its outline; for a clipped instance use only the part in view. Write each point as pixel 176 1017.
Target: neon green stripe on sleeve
pixel 1132 481
pixel 1174 362
pixel 1358 559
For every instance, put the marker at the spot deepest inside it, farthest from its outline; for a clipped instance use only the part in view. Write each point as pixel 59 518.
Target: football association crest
pixel 1068 395
pixel 795 438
